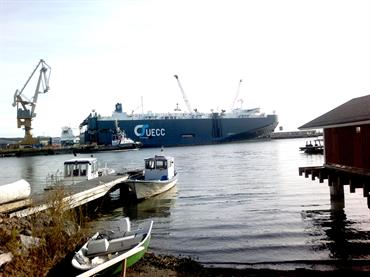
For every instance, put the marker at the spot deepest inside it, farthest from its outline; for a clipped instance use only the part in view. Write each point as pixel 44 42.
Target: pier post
pixel 336 188
pixel 365 190
pixel 352 186
pixel 123 191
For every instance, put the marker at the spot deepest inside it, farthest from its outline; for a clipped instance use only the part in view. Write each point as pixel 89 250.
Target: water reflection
pixel 331 230
pixel 157 206
pixel 114 208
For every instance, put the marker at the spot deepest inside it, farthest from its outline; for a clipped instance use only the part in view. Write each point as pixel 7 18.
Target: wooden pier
pixel 338 177
pixel 75 195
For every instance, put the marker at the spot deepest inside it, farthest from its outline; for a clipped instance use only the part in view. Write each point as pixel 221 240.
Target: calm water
pixel 240 204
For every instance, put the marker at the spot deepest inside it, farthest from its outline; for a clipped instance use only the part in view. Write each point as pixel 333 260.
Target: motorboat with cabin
pixel 77 170
pixel 158 176
pixel 316 148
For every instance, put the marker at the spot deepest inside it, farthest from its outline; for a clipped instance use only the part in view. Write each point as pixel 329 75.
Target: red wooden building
pixel 346 146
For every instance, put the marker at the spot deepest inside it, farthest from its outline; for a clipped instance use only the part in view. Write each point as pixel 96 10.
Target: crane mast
pixel 26 107
pixel 187 103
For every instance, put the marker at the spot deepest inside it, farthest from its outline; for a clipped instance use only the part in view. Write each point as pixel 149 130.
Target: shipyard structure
pixel 179 129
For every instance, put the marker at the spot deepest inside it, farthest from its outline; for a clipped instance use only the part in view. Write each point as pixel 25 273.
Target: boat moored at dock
pixel 77 170
pixel 158 176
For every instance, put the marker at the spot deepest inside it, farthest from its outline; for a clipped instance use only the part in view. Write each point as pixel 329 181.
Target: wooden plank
pixel 8 207
pixel 80 197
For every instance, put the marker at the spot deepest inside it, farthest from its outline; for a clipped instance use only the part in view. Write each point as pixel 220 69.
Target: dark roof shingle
pixel 353 111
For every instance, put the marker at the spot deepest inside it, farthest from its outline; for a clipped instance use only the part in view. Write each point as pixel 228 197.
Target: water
pixel 240 204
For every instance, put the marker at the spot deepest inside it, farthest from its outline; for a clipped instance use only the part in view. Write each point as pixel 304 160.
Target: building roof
pixel 353 112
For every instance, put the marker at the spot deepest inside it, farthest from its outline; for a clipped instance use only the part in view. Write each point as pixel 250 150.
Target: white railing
pixel 54 179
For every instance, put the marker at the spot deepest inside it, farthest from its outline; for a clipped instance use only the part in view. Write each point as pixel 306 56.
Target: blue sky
pixel 298 58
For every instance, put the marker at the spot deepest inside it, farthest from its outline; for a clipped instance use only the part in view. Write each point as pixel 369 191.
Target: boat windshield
pixel 150 164
pixel 75 170
pixel 155 164
pixel 161 164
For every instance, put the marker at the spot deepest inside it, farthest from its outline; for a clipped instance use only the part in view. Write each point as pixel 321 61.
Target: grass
pixel 57 231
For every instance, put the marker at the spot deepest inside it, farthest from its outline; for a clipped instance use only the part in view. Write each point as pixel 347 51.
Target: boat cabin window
pixel 67 171
pixel 75 170
pixel 161 164
pixel 150 164
pixel 83 169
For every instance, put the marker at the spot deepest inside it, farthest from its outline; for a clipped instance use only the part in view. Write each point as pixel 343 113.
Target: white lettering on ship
pixel 145 131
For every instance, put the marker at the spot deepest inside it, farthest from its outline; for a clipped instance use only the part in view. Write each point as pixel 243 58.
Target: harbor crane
pixel 187 103
pixel 237 95
pixel 26 107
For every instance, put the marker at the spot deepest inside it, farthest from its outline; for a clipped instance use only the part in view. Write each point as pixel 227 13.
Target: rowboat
pixel 105 252
pixel 158 176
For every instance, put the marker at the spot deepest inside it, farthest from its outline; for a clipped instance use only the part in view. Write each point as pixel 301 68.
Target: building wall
pixel 348 146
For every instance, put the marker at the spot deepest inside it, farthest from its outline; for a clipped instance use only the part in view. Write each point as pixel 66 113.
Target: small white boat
pixel 77 170
pixel 107 246
pixel 15 191
pixel 158 176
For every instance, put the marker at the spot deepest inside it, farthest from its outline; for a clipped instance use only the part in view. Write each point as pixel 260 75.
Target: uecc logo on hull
pixel 145 131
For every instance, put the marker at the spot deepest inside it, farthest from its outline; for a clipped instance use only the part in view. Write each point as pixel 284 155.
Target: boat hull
pixel 181 132
pixel 144 189
pixel 116 268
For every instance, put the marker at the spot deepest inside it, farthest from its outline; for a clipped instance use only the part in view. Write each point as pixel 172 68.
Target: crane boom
pixel 26 107
pixel 236 95
pixel 187 103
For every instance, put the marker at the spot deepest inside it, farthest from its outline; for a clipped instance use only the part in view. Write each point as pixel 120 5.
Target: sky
pixel 296 58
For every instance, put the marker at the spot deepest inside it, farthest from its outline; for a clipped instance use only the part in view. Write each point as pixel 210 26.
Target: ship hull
pixel 182 132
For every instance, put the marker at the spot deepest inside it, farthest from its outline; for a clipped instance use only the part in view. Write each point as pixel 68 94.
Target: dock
pixel 75 195
pixel 81 149
pixel 338 177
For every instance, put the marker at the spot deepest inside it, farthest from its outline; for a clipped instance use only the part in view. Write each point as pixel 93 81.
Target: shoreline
pixel 152 264
pixel 163 265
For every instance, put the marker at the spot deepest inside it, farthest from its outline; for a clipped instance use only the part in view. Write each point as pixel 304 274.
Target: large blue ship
pixel 179 129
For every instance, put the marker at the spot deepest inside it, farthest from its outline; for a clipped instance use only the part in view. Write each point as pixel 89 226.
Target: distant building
pixel 295 134
pixel 346 134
